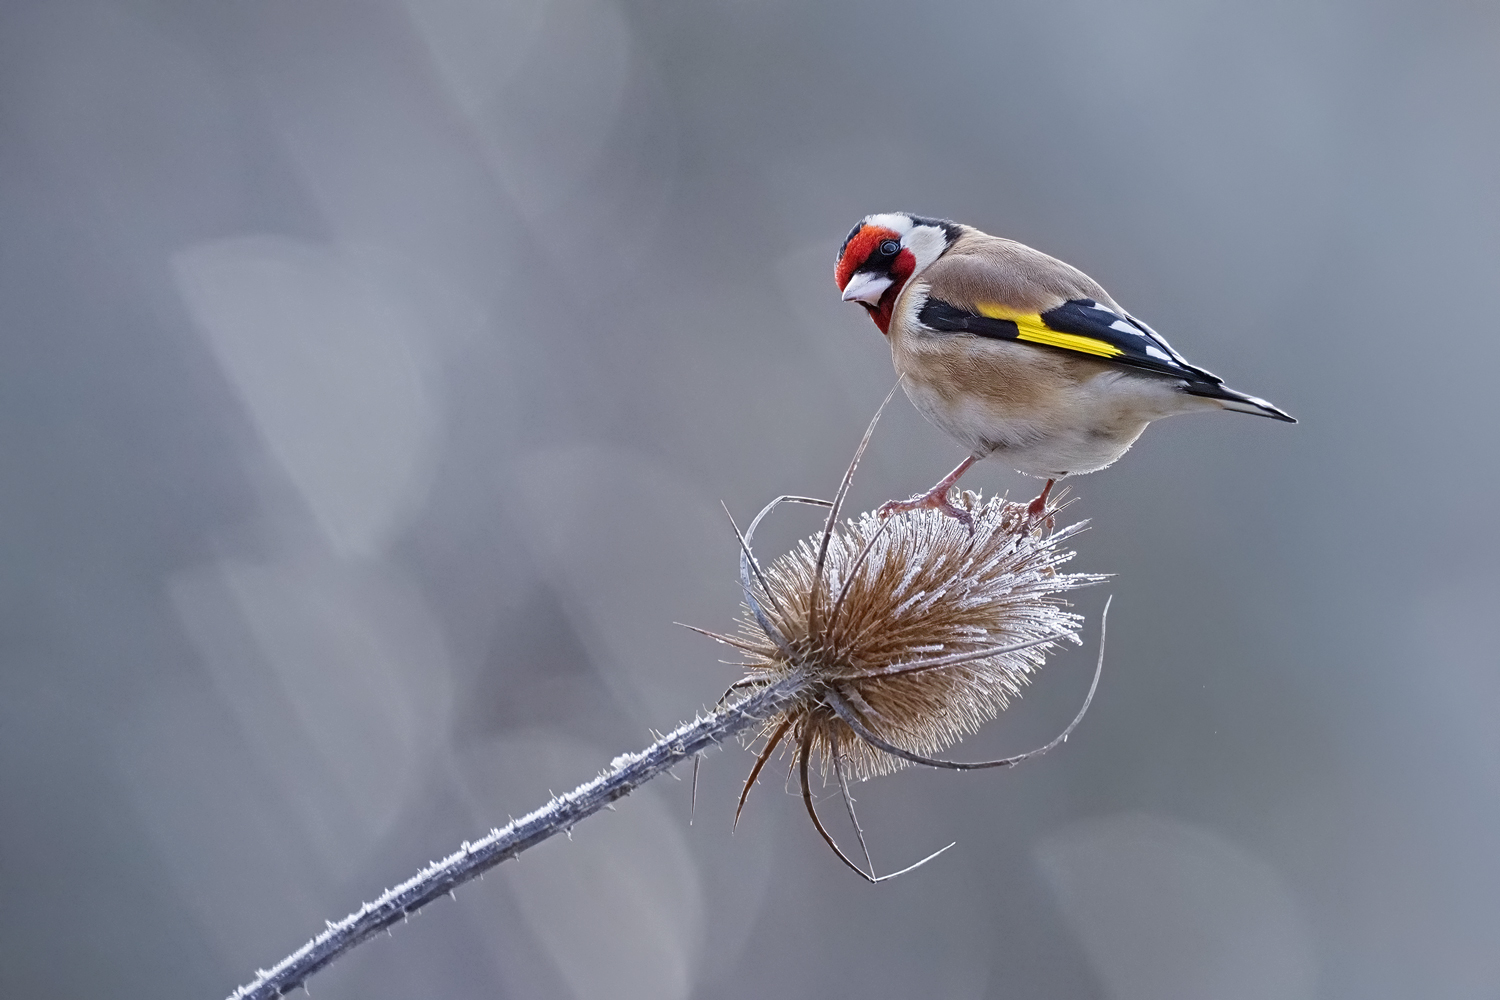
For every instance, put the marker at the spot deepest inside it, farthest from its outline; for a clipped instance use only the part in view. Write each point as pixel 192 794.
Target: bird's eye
pixel 890 248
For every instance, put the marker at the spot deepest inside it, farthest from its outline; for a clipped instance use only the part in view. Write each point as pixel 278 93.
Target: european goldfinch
pixel 1015 353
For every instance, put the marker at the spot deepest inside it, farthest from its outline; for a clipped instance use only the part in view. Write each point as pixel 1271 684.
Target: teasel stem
pixel 625 774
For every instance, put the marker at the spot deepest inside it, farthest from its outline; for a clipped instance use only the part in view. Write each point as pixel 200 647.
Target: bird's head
pixel 883 253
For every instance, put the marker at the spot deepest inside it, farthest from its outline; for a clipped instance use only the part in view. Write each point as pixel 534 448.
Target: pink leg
pixel 935 498
pixel 1037 509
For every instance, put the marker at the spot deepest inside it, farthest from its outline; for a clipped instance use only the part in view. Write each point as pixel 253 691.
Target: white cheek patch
pixel 926 244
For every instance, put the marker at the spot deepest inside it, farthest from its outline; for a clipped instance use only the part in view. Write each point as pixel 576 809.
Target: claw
pixel 934 499
pixel 927 501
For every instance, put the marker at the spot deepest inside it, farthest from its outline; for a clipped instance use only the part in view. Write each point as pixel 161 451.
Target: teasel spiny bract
pixel 908 633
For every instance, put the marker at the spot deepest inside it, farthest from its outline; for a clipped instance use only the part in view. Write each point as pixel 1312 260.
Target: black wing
pixel 1079 326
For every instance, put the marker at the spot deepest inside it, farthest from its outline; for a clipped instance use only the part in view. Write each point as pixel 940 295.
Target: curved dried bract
pixel 850 714
pixel 807 800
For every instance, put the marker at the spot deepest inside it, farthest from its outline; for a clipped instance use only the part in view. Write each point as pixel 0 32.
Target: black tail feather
pixel 1233 399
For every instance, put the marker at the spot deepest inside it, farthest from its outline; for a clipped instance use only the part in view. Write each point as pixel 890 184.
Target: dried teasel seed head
pixel 912 624
pixel 893 638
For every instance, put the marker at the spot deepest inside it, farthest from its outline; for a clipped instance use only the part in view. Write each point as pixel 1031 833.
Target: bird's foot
pixel 935 499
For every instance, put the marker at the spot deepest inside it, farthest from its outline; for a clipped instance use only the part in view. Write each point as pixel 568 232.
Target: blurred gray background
pixel 372 374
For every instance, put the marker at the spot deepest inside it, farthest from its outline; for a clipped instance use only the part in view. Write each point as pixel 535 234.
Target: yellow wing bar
pixel 1031 326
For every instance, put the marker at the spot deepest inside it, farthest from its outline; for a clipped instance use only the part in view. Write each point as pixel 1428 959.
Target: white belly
pixel 1090 426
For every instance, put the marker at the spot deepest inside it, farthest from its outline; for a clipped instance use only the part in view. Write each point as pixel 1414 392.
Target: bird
pixel 1016 354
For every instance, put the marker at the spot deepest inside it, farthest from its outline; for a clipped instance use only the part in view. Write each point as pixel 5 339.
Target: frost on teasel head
pixel 907 634
pixel 915 627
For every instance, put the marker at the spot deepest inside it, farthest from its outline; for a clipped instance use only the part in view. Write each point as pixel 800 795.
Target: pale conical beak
pixel 866 286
